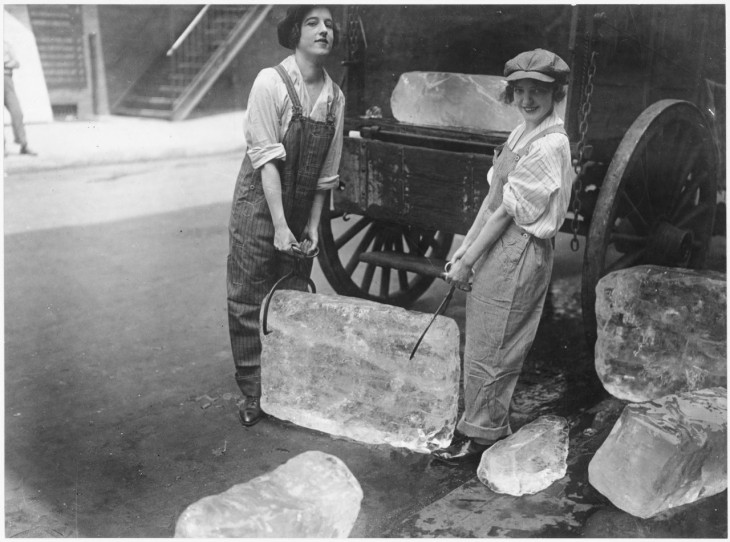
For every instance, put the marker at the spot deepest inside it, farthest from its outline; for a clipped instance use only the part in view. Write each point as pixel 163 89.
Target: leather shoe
pixel 460 451
pixel 249 411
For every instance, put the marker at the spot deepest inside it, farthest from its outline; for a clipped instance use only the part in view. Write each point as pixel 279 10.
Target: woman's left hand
pixel 459 274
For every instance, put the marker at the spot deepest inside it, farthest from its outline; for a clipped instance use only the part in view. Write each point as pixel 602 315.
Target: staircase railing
pixel 188 30
pixel 194 47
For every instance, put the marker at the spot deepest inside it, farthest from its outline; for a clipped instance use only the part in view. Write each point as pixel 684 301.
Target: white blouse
pixel 537 191
pixel 269 113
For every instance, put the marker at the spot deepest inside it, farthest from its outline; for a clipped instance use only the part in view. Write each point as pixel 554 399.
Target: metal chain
pixel 353 23
pixel 579 162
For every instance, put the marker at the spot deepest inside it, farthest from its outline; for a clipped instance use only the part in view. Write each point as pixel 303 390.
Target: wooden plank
pixel 407 262
pixel 457 135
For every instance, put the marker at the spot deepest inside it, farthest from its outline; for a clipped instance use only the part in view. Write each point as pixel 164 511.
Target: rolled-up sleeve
pixel 329 175
pixel 534 181
pixel 263 129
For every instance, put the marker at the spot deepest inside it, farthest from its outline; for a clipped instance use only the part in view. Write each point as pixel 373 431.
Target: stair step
pixel 157 93
pixel 176 77
pixel 135 112
pixel 151 102
pixel 171 90
pixel 190 64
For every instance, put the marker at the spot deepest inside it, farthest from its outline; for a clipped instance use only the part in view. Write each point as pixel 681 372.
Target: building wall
pixel 28 80
pixel 95 61
pixel 133 36
pixel 82 97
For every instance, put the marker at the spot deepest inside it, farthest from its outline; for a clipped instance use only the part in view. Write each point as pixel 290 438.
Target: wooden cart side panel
pixel 426 188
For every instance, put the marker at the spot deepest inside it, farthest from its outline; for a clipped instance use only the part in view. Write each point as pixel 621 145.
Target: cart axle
pixel 670 245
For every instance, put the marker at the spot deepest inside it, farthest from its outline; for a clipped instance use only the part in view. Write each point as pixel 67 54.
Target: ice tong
pixel 300 256
pixel 444 304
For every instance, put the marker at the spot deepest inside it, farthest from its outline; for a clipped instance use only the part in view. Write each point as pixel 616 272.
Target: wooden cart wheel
pixel 657 201
pixel 360 234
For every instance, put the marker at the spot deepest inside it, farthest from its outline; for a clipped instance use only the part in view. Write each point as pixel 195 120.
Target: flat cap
pixel 538 64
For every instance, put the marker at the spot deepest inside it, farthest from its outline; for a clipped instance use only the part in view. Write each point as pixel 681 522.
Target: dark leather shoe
pixel 249 411
pixel 460 451
pixel 25 150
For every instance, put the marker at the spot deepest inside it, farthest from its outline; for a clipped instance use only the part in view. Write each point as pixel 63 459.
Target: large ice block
pixel 661 330
pixel 664 453
pixel 313 495
pixel 340 365
pixel 454 100
pixel 528 461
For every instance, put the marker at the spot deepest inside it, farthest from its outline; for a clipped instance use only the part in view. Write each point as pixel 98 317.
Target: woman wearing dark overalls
pixel 509 251
pixel 293 129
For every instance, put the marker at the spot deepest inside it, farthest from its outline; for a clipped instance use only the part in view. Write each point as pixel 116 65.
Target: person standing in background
pixel 11 100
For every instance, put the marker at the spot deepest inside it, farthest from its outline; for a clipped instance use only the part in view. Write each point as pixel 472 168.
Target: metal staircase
pixel 175 83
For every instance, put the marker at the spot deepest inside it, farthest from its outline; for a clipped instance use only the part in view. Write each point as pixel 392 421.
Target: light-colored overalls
pixel 254 265
pixel 502 312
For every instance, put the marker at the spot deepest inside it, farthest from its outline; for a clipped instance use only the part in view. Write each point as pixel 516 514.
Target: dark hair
pixel 558 89
pixel 296 29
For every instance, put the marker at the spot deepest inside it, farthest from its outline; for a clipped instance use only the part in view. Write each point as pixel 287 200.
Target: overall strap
pixel 296 104
pixel 557 129
pixel 331 108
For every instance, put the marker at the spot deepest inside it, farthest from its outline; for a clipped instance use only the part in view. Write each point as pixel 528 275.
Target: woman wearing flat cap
pixel 293 129
pixel 509 251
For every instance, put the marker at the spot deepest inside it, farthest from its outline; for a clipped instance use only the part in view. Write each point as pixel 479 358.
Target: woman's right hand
pixel 458 274
pixel 459 253
pixel 284 239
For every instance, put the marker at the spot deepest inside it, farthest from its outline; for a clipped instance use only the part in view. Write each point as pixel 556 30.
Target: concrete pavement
pixel 116 139
pixel 119 390
pixel 100 286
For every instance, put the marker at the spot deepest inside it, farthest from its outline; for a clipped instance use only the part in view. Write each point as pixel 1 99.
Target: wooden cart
pixel 644 115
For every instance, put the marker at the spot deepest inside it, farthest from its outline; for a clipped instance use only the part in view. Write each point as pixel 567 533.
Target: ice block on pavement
pixel 341 365
pixel 664 453
pixel 661 330
pixel 313 495
pixel 528 461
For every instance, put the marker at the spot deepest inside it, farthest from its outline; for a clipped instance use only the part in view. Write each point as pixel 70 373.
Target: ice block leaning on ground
pixel 528 461
pixel 661 330
pixel 313 495
pixel 454 100
pixel 664 453
pixel 340 365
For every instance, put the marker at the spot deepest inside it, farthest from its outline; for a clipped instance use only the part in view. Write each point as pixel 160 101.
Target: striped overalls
pixel 254 265
pixel 502 313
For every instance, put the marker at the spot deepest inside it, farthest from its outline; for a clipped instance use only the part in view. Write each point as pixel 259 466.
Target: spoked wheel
pixel 657 201
pixel 344 239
